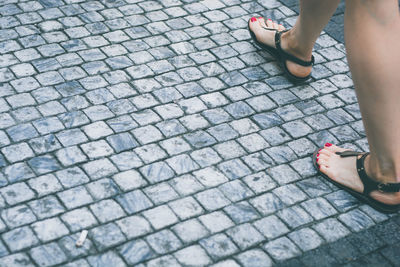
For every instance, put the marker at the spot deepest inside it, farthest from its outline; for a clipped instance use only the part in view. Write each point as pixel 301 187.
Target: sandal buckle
pixel 381 187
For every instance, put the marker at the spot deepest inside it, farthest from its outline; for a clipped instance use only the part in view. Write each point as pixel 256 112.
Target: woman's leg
pixel 300 40
pixel 372 37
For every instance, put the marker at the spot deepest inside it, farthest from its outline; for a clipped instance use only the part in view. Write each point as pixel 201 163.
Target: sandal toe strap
pixel 349 153
pixel 286 56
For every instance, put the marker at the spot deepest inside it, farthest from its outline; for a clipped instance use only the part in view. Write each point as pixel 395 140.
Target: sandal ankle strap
pixel 369 184
pixel 286 56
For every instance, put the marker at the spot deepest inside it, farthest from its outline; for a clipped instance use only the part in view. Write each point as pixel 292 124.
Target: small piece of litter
pixel 82 238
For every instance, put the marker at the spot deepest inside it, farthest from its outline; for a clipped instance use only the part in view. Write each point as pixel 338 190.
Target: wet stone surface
pixel 161 129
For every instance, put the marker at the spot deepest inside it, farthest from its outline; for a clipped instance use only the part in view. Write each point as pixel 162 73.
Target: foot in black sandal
pixel 267 35
pixel 345 169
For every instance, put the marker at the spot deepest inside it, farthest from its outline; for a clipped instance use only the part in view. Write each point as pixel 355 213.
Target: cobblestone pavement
pixel 159 128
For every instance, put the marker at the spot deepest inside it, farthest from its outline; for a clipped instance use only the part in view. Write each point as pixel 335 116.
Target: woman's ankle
pixel 382 172
pixel 291 44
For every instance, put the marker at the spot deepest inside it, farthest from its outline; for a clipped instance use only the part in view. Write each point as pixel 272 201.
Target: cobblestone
pixel 134 201
pixel 245 236
pixel 254 257
pixel 106 236
pixel 79 219
pixel 48 255
pixel 134 226
pixel 193 255
pixel 75 197
pixel 20 238
pixel 17 216
pixel 159 127
pixel 164 241
pixel 17 193
pixel 136 251
pixel 46 207
pixel 49 229
pixel 218 246
pixel 190 230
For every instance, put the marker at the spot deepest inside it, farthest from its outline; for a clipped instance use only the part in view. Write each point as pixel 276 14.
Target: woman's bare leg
pixel 372 37
pixel 299 41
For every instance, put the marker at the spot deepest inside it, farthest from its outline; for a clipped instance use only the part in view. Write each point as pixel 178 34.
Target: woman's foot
pixel 257 26
pixel 343 170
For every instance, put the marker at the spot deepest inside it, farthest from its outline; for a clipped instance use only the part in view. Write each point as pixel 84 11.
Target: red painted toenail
pixel 317 155
pixel 269 19
pixel 317 159
pixel 260 17
pixel 253 19
pixel 328 144
pixel 319 166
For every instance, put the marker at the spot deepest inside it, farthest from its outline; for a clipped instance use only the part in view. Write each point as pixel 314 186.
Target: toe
pixel 258 30
pixel 327 145
pixel 326 170
pixel 333 148
pixel 270 23
pixel 275 25
pixel 322 162
pixel 281 28
pixel 323 169
pixel 323 157
pixel 253 24
pixel 262 22
pixel 325 151
pixel 252 20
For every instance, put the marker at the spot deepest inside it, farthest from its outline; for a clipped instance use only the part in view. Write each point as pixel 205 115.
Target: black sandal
pixel 281 55
pixel 369 184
